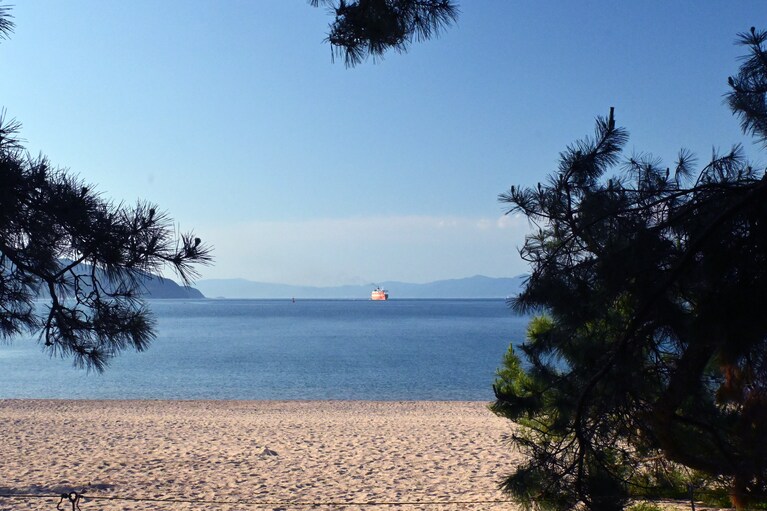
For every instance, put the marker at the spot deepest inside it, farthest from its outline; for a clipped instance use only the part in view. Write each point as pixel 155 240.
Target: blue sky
pixel 231 116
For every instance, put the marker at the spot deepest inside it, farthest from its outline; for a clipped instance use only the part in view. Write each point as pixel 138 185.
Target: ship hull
pixel 379 295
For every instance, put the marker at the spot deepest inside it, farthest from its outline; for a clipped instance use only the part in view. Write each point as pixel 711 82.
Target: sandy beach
pixel 179 455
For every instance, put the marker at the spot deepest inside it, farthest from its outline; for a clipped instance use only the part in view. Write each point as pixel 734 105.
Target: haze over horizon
pixel 233 119
pixel 467 277
pixel 477 286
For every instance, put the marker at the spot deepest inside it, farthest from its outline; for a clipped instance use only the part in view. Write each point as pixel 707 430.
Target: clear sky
pixel 231 116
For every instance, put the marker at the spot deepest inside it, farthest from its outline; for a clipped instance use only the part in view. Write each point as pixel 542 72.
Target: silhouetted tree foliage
pixel 651 336
pixel 61 241
pixel 6 23
pixel 365 28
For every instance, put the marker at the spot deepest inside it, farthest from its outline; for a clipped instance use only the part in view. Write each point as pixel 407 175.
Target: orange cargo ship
pixel 379 294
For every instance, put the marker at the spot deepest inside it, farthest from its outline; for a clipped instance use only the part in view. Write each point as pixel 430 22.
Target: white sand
pixel 345 452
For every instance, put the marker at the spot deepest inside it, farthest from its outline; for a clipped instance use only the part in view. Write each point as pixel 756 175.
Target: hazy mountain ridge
pixel 156 287
pixel 477 286
pixel 151 286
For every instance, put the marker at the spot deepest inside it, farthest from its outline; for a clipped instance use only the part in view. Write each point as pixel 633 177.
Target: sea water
pixel 279 349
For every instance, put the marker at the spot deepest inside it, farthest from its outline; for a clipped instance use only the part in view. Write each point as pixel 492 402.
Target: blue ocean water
pixel 276 349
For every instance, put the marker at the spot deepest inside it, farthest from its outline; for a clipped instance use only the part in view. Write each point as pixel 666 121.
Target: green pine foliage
pixel 653 282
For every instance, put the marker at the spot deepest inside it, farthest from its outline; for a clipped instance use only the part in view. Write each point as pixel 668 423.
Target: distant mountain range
pixel 470 287
pixel 150 285
pixel 156 287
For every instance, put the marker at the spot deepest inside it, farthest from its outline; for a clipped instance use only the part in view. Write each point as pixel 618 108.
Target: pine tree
pixel 364 28
pixel 651 336
pixel 61 241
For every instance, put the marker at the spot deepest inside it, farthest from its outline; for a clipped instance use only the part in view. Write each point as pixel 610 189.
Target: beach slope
pixel 179 455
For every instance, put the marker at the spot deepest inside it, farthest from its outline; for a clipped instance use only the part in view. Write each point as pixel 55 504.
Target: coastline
pixel 218 454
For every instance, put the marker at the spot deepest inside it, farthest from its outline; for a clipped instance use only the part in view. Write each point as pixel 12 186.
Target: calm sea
pixel 276 349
